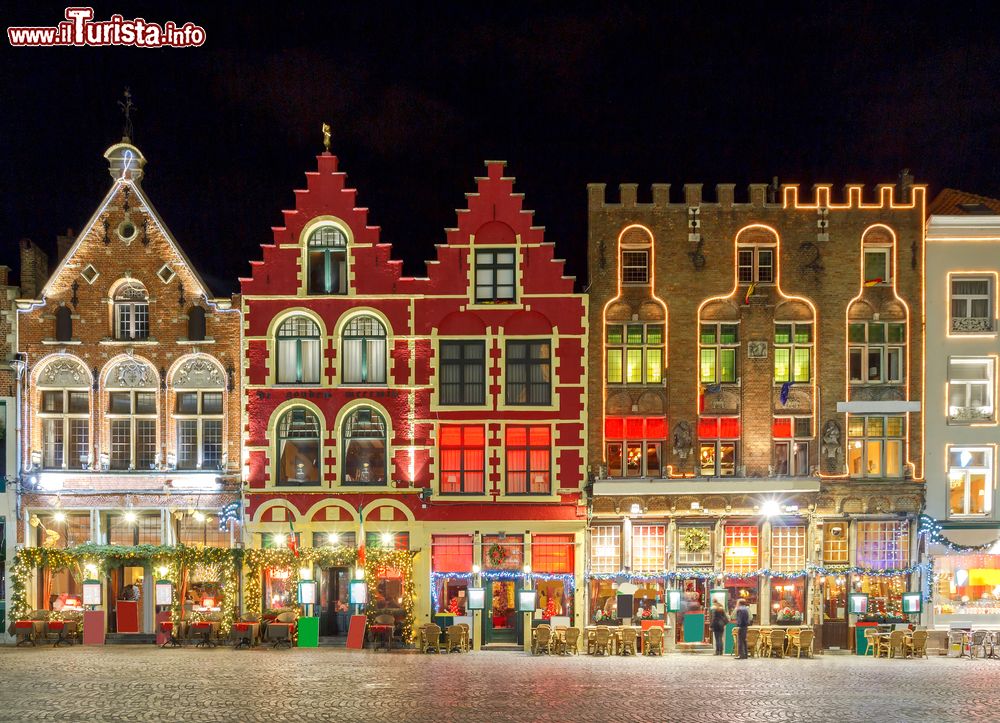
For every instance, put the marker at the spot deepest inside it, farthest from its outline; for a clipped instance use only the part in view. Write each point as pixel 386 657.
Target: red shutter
pixel 708 428
pixel 614 428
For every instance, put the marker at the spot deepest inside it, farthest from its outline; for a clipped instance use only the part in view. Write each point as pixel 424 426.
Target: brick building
pixel 8 433
pixel 443 414
pixel 755 397
pixel 130 392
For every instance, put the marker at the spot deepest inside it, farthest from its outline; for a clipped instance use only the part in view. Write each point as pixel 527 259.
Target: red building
pixel 442 414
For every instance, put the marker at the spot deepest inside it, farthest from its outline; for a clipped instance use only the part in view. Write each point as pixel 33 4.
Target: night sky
pixel 418 97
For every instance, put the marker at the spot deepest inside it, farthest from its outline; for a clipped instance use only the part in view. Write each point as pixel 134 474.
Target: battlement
pixel 760 195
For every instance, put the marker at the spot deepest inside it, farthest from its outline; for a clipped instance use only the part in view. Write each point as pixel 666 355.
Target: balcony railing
pixel 971 325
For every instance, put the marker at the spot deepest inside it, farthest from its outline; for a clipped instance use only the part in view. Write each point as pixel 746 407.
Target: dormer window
pixel 131 312
pixel 755 264
pixel 495 274
pixel 327 261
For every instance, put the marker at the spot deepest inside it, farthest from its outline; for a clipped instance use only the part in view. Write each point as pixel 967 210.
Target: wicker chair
pixel 542 640
pixel 893 647
pixel 431 638
pixel 591 639
pixel 753 643
pixel 915 646
pixel 628 641
pixel 456 639
pixel 570 642
pixel 801 642
pixel 978 643
pixel 736 642
pixel 653 644
pixel 871 639
pixel 602 640
pixel 774 644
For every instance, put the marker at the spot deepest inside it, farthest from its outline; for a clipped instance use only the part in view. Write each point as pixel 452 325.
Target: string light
pixel 568 579
pixel 931 530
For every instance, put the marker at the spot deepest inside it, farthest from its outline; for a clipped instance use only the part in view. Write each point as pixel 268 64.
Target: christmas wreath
pixel 695 539
pixel 496 554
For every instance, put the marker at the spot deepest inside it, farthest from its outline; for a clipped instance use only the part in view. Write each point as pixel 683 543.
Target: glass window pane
pixel 729 334
pixel 145 402
pixel 803 333
pixel 874 364
pixel 633 366
pixel 896 333
pixel 615 459
pixel 855 426
pixel 875 262
pixel 211 402
pixel 873 458
pixel 120 403
pixel 708 366
pixel 708 333
pixel 615 335
pixel 894 458
pixel 894 426
pixel 876 332
pixel 801 371
pixel 727 365
pixel 52 402
pixel 614 366
pixel 654 334
pixel 633 459
pixel 782 333
pixel 875 426
pixel 634 334
pixel 856 333
pixel 856 365
pixel 781 364
pixel 187 402
pixel 654 366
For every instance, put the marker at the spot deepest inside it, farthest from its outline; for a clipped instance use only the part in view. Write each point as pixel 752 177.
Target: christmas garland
pixel 703 574
pixel 283 558
pixel 496 554
pixel 695 539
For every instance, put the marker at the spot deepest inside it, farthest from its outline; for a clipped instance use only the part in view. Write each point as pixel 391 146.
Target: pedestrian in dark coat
pixel 718 624
pixel 742 623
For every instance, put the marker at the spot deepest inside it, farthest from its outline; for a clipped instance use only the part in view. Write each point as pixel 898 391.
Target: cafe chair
pixel 801 642
pixel 432 638
pixel 569 644
pixel 736 642
pixel 628 641
pixel 653 644
pixel 245 631
pixel 466 630
pixel 542 640
pixel 602 640
pixel 774 644
pixel 753 643
pixel 978 643
pixel 915 646
pixel 871 640
pixel 456 639
pixel 893 645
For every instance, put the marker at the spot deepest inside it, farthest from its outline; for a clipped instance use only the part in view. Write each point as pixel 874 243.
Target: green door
pixel 502 623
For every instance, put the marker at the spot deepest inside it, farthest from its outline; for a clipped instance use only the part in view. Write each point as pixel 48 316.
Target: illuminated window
pixel 199 429
pixel 529 460
pixel 145 529
pixel 298 447
pixel 718 347
pixel 835 543
pixel 495 276
pixel 634 353
pixel 972 304
pixel 702 554
pixel 451 553
pixel 463 459
pixel 875 446
pixel 635 446
pixel 635 267
pixel 742 546
pixel 970 480
pixel 788 548
pixel 793 352
pixel 884 545
pixel 327 261
pixel 132 416
pixel 605 548
pixel 503 552
pixel 391 540
pixel 718 441
pixel 298 351
pixel 755 264
pixel 970 390
pixel 529 373
pixel 649 548
pixel 73 530
pixel 552 554
pixel 463 373
pixel 877 266
pixel 65 418
pixel 877 351
pixel 131 311
pixel 791 445
pixel 365 453
pixel 203 533
pixel 364 351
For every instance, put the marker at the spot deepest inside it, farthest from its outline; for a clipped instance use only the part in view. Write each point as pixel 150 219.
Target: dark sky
pixel 419 96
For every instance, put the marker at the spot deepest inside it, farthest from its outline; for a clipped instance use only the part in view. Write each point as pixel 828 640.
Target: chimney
pixel 63 244
pixel 905 185
pixel 34 269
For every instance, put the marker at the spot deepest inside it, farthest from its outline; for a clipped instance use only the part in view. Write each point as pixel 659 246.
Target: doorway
pixel 126 590
pixel 503 623
pixel 692 613
pixel 835 630
pixel 334 598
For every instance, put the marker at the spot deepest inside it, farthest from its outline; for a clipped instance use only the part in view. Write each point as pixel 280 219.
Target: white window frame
pixel 788 548
pixel 644 445
pixel 966 319
pixel 796 445
pixel 133 418
pixel 643 347
pixel 718 346
pixel 965 472
pixel 649 541
pixel 634 266
pixel 200 417
pixel 129 300
pixel 791 346
pixel 983 413
pixel 65 419
pixel 884 439
pixel 753 268
pixel 605 548
pixel 886 252
pixel 493 269
pixel 884 348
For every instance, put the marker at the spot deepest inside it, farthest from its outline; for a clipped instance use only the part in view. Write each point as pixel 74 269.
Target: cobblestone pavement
pixel 136 683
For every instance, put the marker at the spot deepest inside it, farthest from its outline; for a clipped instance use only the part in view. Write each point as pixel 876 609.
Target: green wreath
pixel 496 554
pixel 695 539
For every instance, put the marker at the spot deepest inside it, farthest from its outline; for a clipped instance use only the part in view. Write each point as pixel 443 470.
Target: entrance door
pixel 129 599
pixel 835 627
pixel 502 622
pixel 334 613
pixel 693 599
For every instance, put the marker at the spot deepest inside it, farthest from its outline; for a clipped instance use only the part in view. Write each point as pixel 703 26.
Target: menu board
pixel 164 592
pixel 91 592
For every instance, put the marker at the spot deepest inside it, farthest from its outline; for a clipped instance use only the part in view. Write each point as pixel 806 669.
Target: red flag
pixel 293 541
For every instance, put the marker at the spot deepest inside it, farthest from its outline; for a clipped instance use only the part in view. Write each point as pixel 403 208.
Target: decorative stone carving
pixel 682 438
pixel 879 505
pixel 722 398
pixel 198 373
pixel 799 399
pixel 878 394
pixel 964 324
pixel 853 505
pixel 63 373
pixel 756 350
pixel 133 374
pixel 832 448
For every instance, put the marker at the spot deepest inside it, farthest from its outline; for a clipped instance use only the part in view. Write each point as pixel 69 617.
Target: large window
pixel 495 276
pixel 877 352
pixel 635 267
pixel 718 441
pixel 131 311
pixel 529 373
pixel 463 458
pixel 199 429
pixel 718 348
pixel 634 353
pixel 605 548
pixel 788 548
pixel 742 553
pixel 649 548
pixel 327 261
pixel 970 480
pixel 755 264
pixel 970 390
pixel 298 343
pixel 133 417
pixel 875 446
pixel 878 266
pixel 529 460
pixel 972 304
pixel 201 529
pixel 65 418
pixel 694 545
pixel 884 545
pixel 463 373
pixel 299 458
pixel 365 442
pixel 793 352
pixel 791 445
pixel 364 349
pixel 835 543
pixel 635 446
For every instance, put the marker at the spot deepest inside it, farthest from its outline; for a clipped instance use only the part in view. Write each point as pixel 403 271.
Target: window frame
pixel 796 445
pixel 987 470
pixel 464 364
pixel 494 267
pixel 626 267
pixel 755 265
pixel 886 253
pixel 988 384
pixel 529 362
pixel 603 537
pixel 716 348
pixel 528 470
pixel 318 247
pixel 201 419
pixel 136 422
pixel 462 448
pixel 281 437
pixel 347 438
pixel 883 348
pixel 363 338
pixel 64 419
pixel 791 347
pixel 132 297
pixel 644 348
pixel 281 338
pixel 884 439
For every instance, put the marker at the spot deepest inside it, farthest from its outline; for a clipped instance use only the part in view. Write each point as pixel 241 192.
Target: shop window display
pixel 968 587
pixel 788 600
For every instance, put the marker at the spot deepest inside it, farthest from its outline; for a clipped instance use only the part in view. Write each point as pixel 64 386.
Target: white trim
pixel 701 486
pixel 891 407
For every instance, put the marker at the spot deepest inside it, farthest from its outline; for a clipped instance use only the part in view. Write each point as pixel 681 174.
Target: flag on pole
pixel 750 290
pixel 293 541
pixel 873 282
pixel 784 392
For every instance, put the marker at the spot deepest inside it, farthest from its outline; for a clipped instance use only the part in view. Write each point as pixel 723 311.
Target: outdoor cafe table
pixel 66 630
pixel 247 632
pixel 206 629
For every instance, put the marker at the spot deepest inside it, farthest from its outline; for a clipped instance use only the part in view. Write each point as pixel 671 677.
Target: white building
pixel 962 433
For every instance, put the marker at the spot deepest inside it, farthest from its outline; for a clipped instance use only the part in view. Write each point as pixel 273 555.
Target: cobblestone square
pixel 149 684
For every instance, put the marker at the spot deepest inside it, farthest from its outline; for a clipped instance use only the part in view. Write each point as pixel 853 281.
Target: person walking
pixel 742 623
pixel 719 620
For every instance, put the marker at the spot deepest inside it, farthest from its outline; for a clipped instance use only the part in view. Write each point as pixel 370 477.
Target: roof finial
pixel 127 108
pixel 326 137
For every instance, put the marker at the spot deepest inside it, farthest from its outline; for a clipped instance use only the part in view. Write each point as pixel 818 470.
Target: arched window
pixel 64 324
pixel 131 311
pixel 364 448
pixel 132 415
pixel 298 448
pixel 298 351
pixel 64 413
pixel 196 324
pixel 364 351
pixel 327 261
pixel 199 385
